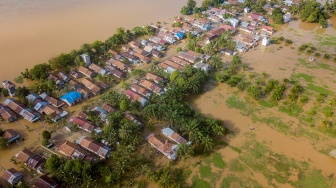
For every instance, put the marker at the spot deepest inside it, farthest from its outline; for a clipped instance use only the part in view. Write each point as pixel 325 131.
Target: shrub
pixel 326 56
pixel 317 54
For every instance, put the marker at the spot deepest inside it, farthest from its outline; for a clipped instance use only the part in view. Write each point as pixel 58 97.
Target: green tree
pixel 3 143
pixel 53 163
pixel 124 105
pixel 40 71
pixel 216 62
pixel 61 62
pixel 178 49
pixel 184 151
pixel 277 16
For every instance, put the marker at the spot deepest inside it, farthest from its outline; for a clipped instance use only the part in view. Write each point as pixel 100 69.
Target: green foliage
pixel 255 91
pixel 184 151
pixel 61 62
pixel 310 11
pixel 178 49
pixel 124 105
pixel 216 62
pixel 39 72
pixel 177 24
pixel 3 143
pixel 19 79
pixel 277 16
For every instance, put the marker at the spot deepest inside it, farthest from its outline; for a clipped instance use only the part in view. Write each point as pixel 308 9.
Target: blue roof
pixel 71 97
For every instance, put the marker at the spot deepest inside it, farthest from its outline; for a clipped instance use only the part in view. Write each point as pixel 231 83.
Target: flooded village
pixel 223 97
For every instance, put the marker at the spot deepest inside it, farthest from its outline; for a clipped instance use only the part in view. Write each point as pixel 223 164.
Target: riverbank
pixel 33 32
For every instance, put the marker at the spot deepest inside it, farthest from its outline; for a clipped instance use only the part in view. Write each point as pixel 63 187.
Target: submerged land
pixel 274 106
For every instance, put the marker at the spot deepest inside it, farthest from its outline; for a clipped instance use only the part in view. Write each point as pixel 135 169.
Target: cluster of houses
pixel 166 147
pixel 34 162
pixel 142 89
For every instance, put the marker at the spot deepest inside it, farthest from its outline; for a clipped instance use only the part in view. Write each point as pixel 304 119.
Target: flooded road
pixel 34 31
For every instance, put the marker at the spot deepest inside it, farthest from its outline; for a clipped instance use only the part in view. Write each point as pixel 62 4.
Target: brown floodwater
pixel 34 31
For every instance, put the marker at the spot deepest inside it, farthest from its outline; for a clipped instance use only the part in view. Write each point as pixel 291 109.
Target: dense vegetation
pixel 311 11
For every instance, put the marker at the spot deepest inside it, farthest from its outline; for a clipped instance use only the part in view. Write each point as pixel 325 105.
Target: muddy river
pixel 33 31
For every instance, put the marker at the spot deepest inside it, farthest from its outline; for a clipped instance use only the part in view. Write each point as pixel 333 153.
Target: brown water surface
pixel 33 31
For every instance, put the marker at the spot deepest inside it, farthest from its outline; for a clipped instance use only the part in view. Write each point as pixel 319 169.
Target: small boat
pixel 311 59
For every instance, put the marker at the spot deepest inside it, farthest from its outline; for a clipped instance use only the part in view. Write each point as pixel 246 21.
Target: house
pixel 136 88
pixel 188 57
pixel 173 65
pixel 166 67
pixel 142 58
pixel 31 159
pixel 83 124
pixel 228 52
pixel 142 52
pixel 86 72
pixel 151 86
pixel 101 113
pixel 74 84
pixel 75 74
pixel 73 151
pixel 63 76
pixel 45 182
pixel 174 136
pixel 58 81
pixel 83 115
pixel 203 24
pixel 94 88
pixel 71 98
pixel 22 110
pixel 37 101
pixel 134 44
pixel 157 40
pixel 12 176
pixel 132 118
pixel 117 64
pixel 10 87
pixel 114 71
pixel 53 113
pixel 179 61
pixel 108 108
pixel 233 21
pixel 132 95
pixel 179 35
pixel 84 92
pixel 257 17
pixel 203 66
pixel 10 135
pixel 97 69
pixel 265 41
pixel 148 49
pixel 166 148
pixel 156 54
pixel 267 29
pixel 155 78
pixel 7 114
pixel 167 37
pixel 86 59
pixel 58 103
pixel 95 147
pixel 287 17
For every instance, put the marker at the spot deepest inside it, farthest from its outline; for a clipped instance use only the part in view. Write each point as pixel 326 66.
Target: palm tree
pixel 207 142
pixel 216 62
pixel 184 151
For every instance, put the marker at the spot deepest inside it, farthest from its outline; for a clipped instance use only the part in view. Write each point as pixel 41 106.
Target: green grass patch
pixel 267 104
pixel 236 166
pixel 306 64
pixel 291 109
pixel 205 172
pixel 324 66
pixel 234 102
pixel 234 181
pixel 283 69
pixel 318 89
pixel 218 160
pixel 312 178
pixel 199 183
pixel 234 148
pixel 306 77
pixel 273 122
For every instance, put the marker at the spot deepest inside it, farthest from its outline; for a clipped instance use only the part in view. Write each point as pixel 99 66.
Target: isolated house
pixel 174 136
pixel 7 114
pixel 12 176
pixel 10 135
pixel 166 148
pixel 45 182
pixel 95 147
pixel 71 98
pixel 10 87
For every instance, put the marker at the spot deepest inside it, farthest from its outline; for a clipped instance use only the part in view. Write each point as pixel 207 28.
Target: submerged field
pixel 292 137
